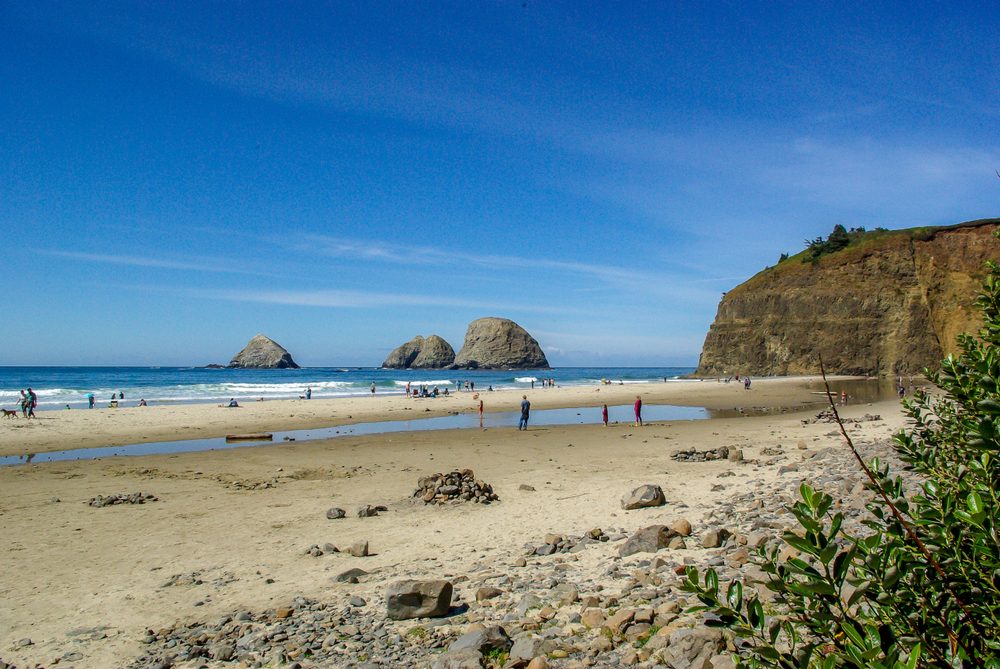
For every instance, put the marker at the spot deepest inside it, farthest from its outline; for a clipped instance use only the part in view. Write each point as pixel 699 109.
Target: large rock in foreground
pixel 419 353
pixel 891 304
pixel 499 343
pixel 263 353
pixel 418 599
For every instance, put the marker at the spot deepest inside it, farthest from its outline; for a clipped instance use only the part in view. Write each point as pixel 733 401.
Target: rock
pixel 263 353
pixel 487 592
pixel 419 353
pixel 462 659
pixel 359 549
pixel 335 513
pixel 592 618
pixel 350 576
pixel 618 621
pixel 525 648
pixel 418 599
pixel 715 538
pixel 647 540
pixel 644 496
pixel 284 612
pixel 681 527
pixel 499 343
pixel 538 663
pixel 694 647
pixel 369 511
pixel 222 651
pixel 492 638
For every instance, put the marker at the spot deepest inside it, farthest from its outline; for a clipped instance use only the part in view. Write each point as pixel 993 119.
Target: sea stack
pixel 499 343
pixel 419 353
pixel 263 353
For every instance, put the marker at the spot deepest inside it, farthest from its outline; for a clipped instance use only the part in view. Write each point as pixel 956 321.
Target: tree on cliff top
pixel 922 589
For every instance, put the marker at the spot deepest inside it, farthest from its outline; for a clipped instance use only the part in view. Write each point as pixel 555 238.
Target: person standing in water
pixel 480 413
pixel 638 410
pixel 525 409
pixel 373 389
pixel 309 392
pixel 604 414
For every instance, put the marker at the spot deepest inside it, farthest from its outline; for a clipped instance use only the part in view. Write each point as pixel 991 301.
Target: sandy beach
pixel 229 530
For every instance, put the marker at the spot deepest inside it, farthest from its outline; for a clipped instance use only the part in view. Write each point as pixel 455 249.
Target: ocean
pixel 61 387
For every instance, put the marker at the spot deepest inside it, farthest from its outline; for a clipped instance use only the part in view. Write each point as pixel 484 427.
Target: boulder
pixel 644 496
pixel 263 353
pixel 418 599
pixel 647 540
pixel 419 353
pixel 499 343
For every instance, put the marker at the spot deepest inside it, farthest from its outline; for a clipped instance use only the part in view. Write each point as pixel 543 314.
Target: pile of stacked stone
pixel 455 486
pixel 557 543
pixel 121 498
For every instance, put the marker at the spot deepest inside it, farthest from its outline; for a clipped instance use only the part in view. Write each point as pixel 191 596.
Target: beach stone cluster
pixel 459 486
pixel 694 455
pixel 826 416
pixel 557 543
pixel 121 498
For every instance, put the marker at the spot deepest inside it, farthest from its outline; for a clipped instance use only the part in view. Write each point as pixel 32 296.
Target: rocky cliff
pixel 892 302
pixel 419 353
pixel 499 343
pixel 263 353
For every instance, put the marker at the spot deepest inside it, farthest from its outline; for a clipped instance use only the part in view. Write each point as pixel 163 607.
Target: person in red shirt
pixel 604 415
pixel 638 410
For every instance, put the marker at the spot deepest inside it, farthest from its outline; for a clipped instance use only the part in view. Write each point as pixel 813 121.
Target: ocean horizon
pixel 61 387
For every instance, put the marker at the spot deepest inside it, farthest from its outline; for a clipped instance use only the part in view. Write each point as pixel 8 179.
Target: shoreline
pixel 59 430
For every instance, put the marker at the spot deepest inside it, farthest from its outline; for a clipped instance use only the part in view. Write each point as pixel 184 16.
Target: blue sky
pixel 175 178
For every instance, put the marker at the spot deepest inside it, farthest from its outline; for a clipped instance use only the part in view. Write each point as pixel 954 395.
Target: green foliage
pixel 922 587
pixel 782 258
pixel 496 657
pixel 839 238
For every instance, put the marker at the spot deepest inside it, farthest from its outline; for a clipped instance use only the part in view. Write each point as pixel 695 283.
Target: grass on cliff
pixel 849 245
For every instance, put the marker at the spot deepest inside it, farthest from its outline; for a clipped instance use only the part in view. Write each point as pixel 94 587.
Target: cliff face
pixel 890 304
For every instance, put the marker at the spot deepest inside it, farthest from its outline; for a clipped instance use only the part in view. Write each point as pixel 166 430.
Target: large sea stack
pixel 419 353
pixel 890 302
pixel 263 353
pixel 499 343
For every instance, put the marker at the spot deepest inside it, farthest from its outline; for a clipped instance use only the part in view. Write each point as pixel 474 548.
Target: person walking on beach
pixel 309 392
pixel 604 414
pixel 24 404
pixel 638 410
pixel 90 400
pixel 525 409
pixel 32 403
pixel 746 383
pixel 373 389
pixel 407 388
pixel 480 413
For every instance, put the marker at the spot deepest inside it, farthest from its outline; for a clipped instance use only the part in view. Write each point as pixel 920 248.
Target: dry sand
pixel 239 521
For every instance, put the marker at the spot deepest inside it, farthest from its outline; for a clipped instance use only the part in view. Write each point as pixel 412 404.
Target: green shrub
pixel 922 587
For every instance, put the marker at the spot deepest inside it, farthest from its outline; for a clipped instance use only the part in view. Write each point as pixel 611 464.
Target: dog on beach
pixel 9 414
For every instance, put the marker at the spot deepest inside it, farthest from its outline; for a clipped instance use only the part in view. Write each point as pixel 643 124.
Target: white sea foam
pixel 421 382
pixel 525 379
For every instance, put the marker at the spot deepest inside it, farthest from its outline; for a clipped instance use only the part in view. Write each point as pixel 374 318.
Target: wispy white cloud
pixel 214 265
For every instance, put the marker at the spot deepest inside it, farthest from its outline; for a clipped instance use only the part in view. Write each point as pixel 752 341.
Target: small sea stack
pixel 499 343
pixel 263 353
pixel 419 353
